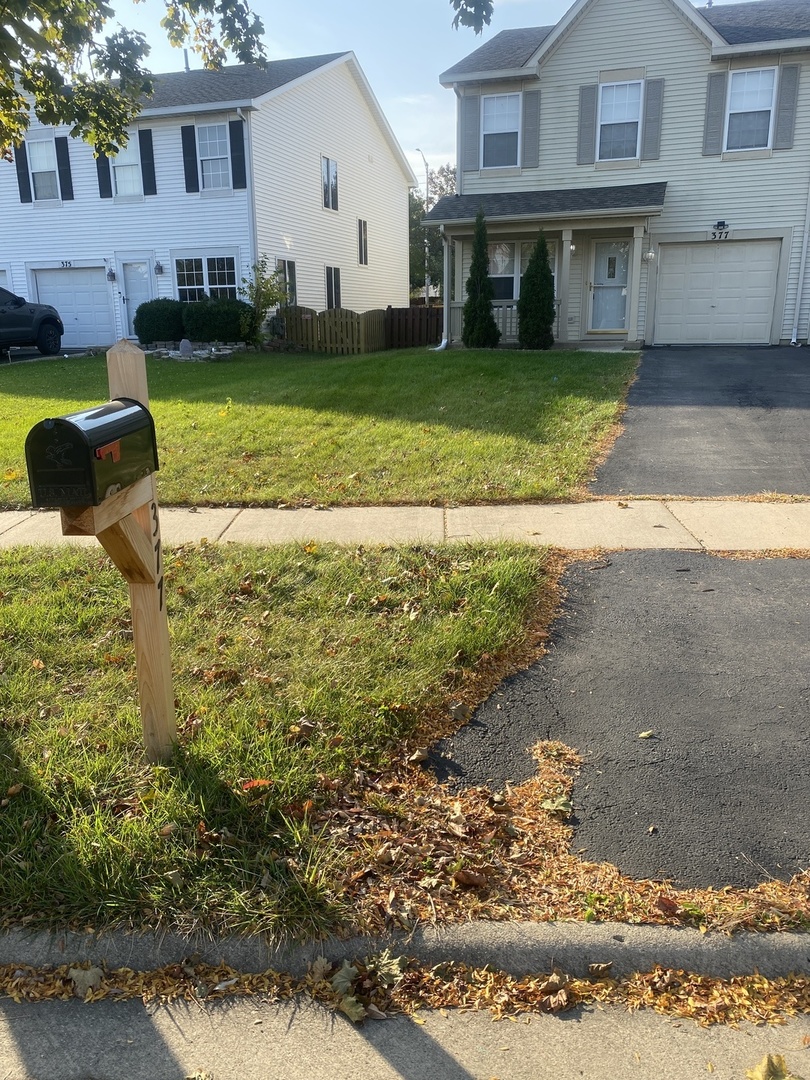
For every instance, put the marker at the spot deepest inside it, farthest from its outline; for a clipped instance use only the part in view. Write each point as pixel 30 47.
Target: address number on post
pixel 158 553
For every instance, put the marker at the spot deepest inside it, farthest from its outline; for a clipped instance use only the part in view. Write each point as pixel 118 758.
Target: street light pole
pixel 427 244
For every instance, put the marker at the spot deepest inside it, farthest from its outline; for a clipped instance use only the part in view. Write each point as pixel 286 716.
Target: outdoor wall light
pixel 572 248
pixel 158 266
pixel 720 226
pixel 111 274
pixel 648 256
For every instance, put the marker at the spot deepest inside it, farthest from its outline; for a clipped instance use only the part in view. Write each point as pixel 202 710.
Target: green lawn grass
pixel 293 668
pixel 399 427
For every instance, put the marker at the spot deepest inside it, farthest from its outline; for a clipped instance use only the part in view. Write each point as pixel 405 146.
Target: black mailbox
pixel 85 457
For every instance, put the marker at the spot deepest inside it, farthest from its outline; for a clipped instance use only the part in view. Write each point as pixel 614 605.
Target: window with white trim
pixel 285 268
pixel 362 242
pixel 500 130
pixel 329 180
pixel 200 276
pixel 212 146
pixel 126 169
pixel 619 120
pixel 42 165
pixel 749 120
pixel 508 262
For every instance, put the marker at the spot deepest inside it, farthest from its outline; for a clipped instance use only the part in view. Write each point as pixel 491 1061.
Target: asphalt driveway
pixel 714 422
pixel 713 656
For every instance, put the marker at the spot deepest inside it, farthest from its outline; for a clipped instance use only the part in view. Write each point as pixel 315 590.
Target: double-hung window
pixel 42 163
pixel 329 179
pixel 619 120
pixel 126 169
pixel 285 268
pixel 332 287
pixel 201 276
pixel 500 128
pixel 750 109
pixel 212 145
pixel 507 265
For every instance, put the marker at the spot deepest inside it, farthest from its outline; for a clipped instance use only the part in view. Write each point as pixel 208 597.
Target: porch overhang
pixel 563 204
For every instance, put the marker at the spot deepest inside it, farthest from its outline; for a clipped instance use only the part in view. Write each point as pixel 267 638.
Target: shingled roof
pixel 507 50
pixel 239 82
pixel 747 23
pixel 763 20
pixel 562 202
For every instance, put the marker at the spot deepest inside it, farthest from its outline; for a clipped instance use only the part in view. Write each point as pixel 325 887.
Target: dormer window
pixel 619 120
pixel 750 109
pixel 500 129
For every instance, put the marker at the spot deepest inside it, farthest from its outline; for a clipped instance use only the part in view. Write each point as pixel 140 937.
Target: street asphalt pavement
pixel 714 422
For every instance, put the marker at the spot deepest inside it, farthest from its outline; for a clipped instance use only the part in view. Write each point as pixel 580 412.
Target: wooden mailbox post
pixel 127 525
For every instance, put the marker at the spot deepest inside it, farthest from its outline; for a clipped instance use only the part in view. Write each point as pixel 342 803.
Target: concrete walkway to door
pixel 714 422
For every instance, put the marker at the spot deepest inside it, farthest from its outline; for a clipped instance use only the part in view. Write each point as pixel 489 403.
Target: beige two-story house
pixel 663 149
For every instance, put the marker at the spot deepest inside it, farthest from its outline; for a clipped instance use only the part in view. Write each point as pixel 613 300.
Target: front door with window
pixel 135 289
pixel 609 287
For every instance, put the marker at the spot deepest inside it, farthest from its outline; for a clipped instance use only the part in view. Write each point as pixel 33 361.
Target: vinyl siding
pixel 89 229
pixel 329 117
pixel 763 196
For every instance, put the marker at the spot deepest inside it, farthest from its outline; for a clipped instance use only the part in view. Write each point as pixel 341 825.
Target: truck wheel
pixel 48 339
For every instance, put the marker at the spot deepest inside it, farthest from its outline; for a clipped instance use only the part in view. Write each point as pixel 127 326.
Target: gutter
pixel 758 48
pixel 567 215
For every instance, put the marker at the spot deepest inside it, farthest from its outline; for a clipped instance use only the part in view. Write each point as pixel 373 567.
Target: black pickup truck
pixel 23 323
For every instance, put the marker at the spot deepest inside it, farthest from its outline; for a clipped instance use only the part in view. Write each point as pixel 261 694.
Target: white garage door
pixel 81 295
pixel 716 292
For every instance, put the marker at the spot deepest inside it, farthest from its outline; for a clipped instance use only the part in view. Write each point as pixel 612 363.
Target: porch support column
pixel 448 285
pixel 635 283
pixel 565 284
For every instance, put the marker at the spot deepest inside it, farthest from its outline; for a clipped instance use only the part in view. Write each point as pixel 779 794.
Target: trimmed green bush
pixel 535 305
pixel 159 320
pixel 217 320
pixel 479 329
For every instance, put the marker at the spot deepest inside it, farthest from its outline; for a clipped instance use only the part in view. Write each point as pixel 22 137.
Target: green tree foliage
pixel 473 13
pixel 56 62
pixel 479 330
pixel 263 290
pixel 535 306
pixel 442 182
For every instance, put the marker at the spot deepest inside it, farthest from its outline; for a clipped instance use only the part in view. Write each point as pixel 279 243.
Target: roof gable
pixel 521 51
pixel 238 82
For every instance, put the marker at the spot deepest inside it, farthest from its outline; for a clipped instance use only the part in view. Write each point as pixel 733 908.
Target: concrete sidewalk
pixel 610 524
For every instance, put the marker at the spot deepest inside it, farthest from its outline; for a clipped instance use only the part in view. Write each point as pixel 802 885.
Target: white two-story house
pixel 663 149
pixel 294 161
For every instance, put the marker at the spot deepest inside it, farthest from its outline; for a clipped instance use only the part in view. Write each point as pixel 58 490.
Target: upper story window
pixel 212 144
pixel 42 164
pixel 126 168
pixel 500 128
pixel 330 183
pixel 619 120
pixel 750 109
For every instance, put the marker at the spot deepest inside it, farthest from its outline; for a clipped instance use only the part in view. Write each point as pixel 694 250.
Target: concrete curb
pixel 518 948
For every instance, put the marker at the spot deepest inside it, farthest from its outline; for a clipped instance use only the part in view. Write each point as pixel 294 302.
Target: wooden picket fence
pixel 343 332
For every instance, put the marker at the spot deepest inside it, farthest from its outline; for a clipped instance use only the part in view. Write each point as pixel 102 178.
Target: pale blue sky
pixel 402 46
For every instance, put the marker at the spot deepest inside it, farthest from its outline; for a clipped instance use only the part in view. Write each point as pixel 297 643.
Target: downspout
pixel 802 269
pixel 446 302
pixel 251 193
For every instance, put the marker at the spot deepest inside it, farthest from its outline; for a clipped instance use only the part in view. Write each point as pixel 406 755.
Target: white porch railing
pixel 506 319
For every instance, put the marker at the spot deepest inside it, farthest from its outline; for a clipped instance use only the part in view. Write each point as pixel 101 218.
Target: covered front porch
pixel 599 255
